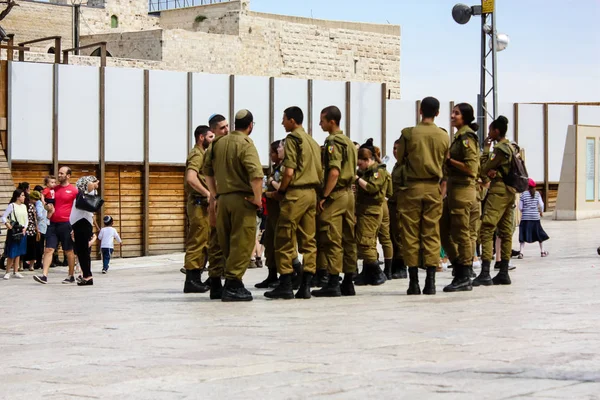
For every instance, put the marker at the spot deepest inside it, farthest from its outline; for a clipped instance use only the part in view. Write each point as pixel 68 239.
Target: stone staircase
pixel 7 188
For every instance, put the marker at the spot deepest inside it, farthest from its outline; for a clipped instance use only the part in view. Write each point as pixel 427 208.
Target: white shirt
pixel 106 236
pixel 77 214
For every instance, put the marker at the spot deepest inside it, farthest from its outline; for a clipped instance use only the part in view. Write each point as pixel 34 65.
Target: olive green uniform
pixel 234 163
pixel 196 244
pixel 341 154
pixel 272 217
pixel 383 234
pixel 475 223
pixel 297 220
pixel 421 154
pixel 216 260
pixel 395 224
pixel 368 212
pixel 500 203
pixel 455 225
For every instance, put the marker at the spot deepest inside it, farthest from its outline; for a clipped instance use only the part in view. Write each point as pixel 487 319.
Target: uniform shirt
pixel 64 196
pixel 499 161
pixel 373 194
pixel 465 149
pixel 273 205
pixel 233 161
pixel 303 155
pixel 387 185
pixel 195 161
pixel 341 154
pixel 422 151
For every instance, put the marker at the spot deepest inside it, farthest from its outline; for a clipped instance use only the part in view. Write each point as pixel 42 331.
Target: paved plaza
pixel 134 335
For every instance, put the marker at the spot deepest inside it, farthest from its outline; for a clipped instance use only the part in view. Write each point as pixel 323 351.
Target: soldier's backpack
pixel 517 177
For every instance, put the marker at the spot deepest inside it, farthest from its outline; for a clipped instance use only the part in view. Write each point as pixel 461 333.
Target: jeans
pixel 106 253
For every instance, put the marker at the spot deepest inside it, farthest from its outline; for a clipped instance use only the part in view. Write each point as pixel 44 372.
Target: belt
pixel 339 189
pixel 436 179
pixel 304 187
pixel 237 192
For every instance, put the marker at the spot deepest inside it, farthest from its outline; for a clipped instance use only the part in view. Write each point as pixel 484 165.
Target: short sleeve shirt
pixel 64 198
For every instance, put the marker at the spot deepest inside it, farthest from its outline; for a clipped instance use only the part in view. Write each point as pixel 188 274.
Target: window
pixel 114 21
pixel 51 50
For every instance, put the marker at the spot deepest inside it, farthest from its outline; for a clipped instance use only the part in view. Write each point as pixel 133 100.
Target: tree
pixel 9 5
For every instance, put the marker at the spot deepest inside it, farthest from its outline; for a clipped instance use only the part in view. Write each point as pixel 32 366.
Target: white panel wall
pixel 168 117
pixel 210 95
pixel 506 109
pixel 288 93
pixel 325 94
pixel 365 117
pixel 124 118
pixel 400 114
pixel 30 111
pixel 559 119
pixel 252 93
pixel 443 119
pixel 78 113
pixel 531 137
pixel 589 115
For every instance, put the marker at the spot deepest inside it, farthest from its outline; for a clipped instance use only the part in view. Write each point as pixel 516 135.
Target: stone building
pixel 224 37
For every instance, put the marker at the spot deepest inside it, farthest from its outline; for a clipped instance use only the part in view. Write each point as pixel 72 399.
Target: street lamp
pixel 497 42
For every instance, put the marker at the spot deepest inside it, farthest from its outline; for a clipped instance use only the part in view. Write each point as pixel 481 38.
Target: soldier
pixel 398 266
pixel 297 194
pixel 370 196
pixel 421 154
pixel 461 170
pixel 216 262
pixel 196 246
pixel 234 174
pixel 383 234
pixel 339 165
pixel 499 205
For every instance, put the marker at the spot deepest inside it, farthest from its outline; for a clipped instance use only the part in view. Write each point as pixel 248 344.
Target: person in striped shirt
pixel 531 206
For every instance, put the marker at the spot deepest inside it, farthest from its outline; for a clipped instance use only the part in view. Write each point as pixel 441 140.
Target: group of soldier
pixel 332 204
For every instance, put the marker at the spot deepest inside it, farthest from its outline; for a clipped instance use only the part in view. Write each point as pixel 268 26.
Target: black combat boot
pixel 502 278
pixel 461 282
pixel 321 279
pixel 271 278
pixel 387 270
pixel 484 278
pixel 193 284
pixel 413 284
pixel 234 290
pixel 283 290
pixel 472 273
pixel 430 281
pixel 332 289
pixel 347 286
pixel 374 275
pixel 216 288
pixel 360 279
pixel 399 269
pixel 304 289
pixel 297 276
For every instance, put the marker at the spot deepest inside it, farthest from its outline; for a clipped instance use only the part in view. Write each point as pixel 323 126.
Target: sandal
pixel 545 254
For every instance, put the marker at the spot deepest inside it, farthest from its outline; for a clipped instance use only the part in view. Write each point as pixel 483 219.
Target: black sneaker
pixel 70 279
pixel 104 271
pixel 40 279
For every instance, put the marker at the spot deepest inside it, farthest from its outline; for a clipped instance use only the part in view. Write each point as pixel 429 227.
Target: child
pixel 48 192
pixel 106 237
pixel 530 228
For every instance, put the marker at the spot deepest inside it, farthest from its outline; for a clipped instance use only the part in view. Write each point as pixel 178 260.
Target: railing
pixel 57 47
pixel 10 47
pixel 160 5
pixel 87 46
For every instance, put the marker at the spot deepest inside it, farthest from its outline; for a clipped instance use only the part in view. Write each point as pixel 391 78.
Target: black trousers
pixel 83 232
pixel 39 250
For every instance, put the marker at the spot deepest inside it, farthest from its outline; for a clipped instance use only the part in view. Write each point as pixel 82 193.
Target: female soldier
pixel 398 266
pixel 499 205
pixel 384 231
pixel 462 167
pixel 370 196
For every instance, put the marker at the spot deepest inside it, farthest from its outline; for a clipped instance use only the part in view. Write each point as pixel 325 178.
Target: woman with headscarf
pixel 82 223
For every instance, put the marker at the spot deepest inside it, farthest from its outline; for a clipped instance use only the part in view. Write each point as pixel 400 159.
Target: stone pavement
pixel 134 335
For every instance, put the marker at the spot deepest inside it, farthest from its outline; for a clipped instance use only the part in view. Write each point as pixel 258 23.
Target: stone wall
pixel 143 45
pixel 220 18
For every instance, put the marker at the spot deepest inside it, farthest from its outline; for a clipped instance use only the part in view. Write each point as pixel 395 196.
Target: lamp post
pixel 497 42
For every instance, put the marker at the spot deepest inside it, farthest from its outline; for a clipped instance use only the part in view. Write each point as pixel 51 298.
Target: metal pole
pixel 76 9
pixel 481 98
pixel 495 61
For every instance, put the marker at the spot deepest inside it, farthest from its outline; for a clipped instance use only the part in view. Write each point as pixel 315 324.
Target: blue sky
pixel 554 54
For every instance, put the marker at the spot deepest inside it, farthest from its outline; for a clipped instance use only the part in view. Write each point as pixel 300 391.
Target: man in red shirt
pixel 60 228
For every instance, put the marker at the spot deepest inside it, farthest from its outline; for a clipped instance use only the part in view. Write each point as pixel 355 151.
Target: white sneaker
pixel 7 276
pixel 18 276
pixel 477 264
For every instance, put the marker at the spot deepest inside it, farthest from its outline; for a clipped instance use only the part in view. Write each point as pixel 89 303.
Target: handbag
pixel 16 233
pixel 88 202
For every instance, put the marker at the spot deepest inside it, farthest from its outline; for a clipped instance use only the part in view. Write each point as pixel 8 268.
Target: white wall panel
pixel 531 138
pixel 559 119
pixel 508 110
pixel 443 119
pixel 124 118
pixel 210 95
pixel 78 113
pixel 400 114
pixel 168 117
pixel 252 93
pixel 589 115
pixel 30 111
pixel 325 94
pixel 365 117
pixel 288 93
